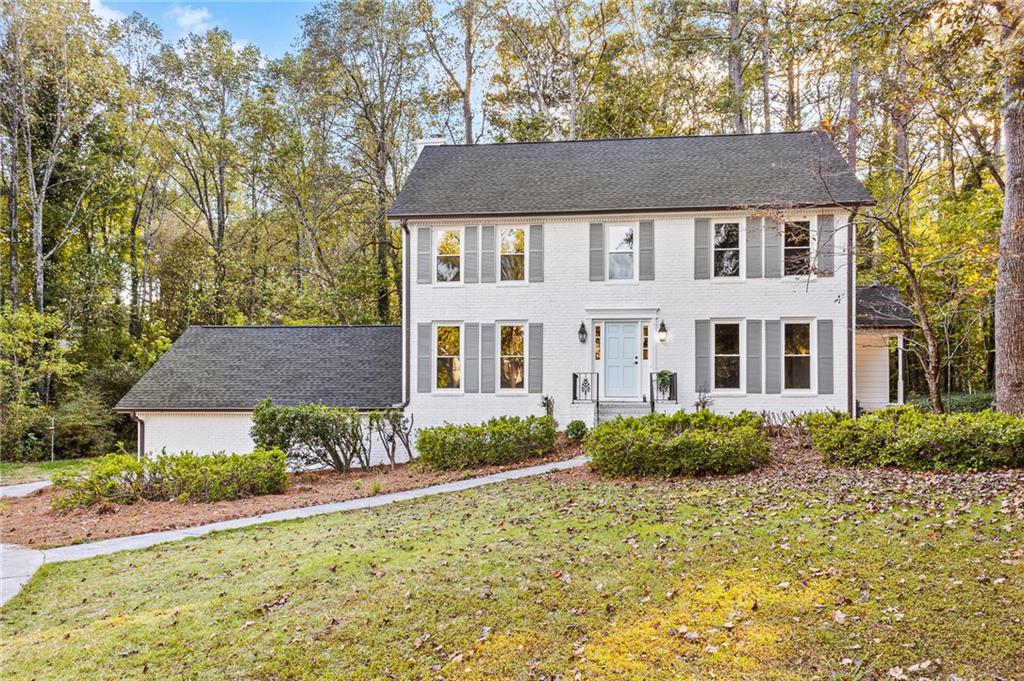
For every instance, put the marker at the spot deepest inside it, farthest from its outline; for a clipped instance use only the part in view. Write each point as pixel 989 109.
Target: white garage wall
pixel 210 432
pixel 872 376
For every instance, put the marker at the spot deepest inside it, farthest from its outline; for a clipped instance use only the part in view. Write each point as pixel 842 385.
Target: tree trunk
pixel 736 68
pixel 766 55
pixel 571 66
pixel 37 250
pixel 134 310
pixel 382 238
pixel 12 212
pixel 852 131
pixel 1010 271
pixel 467 89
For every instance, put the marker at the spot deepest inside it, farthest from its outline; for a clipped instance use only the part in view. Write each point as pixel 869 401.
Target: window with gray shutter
pixel 596 251
pixel 702 248
pixel 424 270
pixel 535 373
pixel 487 358
pixel 772 356
pixel 472 368
pixel 488 259
pixel 755 234
pixel 702 347
pixel 826 365
pixel 753 355
pixel 772 249
pixel 825 263
pixel 424 357
pixel 536 252
pixel 472 264
pixel 647 251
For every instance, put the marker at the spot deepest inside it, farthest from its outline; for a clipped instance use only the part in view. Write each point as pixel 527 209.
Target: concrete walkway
pixel 24 489
pixel 18 564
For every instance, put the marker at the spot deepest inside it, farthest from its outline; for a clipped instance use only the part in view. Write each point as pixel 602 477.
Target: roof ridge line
pixel 628 139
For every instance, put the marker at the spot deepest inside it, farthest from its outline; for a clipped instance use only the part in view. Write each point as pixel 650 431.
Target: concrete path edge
pixel 18 563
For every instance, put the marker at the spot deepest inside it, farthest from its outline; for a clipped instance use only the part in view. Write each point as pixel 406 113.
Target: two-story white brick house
pixel 611 276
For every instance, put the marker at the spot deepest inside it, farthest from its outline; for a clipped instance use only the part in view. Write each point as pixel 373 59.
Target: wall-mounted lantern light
pixel 662 332
pixel 582 333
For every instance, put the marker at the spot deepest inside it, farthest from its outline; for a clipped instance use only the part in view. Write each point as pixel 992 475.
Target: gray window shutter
pixel 536 252
pixel 472 255
pixel 826 373
pixel 647 251
pixel 772 356
pixel 487 358
pixel 472 368
pixel 772 249
pixel 424 273
pixel 424 356
pixel 487 259
pixel 536 366
pixel 702 345
pixel 755 231
pixel 702 248
pixel 825 265
pixel 753 355
pixel 596 251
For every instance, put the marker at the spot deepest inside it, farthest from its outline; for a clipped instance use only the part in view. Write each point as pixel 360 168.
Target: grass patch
pixel 536 579
pixel 13 473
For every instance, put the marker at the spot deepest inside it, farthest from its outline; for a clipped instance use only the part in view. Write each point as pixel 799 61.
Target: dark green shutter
pixel 424 272
pixel 753 355
pixel 702 248
pixel 647 251
pixel 702 354
pixel 536 252
pixel 826 364
pixel 536 367
pixel 772 356
pixel 596 251
pixel 755 232
pixel 825 265
pixel 424 357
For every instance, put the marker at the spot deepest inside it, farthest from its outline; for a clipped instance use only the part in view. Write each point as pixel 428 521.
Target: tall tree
pixel 736 68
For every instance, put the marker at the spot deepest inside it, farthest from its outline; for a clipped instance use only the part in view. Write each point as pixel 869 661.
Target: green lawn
pixel 12 473
pixel 836 576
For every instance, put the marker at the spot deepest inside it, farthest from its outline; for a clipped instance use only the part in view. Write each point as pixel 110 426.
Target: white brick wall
pixel 562 300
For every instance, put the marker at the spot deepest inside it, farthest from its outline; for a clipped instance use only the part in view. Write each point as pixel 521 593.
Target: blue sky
pixel 271 25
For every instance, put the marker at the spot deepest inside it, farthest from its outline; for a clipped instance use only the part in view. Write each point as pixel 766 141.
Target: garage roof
pixel 882 307
pixel 231 368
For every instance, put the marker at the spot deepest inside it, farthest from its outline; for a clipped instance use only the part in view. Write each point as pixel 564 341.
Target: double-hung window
pixel 513 254
pixel 797 351
pixel 448 351
pixel 448 255
pixel 797 248
pixel 621 252
pixel 512 367
pixel 727 249
pixel 727 356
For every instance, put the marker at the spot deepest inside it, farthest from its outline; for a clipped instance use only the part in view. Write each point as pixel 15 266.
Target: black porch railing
pixel 663 387
pixel 586 386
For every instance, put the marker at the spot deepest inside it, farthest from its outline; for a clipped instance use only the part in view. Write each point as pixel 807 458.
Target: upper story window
pixel 727 249
pixel 448 255
pixel 449 357
pixel 621 252
pixel 513 254
pixel 513 356
pixel 797 247
pixel 797 350
pixel 727 356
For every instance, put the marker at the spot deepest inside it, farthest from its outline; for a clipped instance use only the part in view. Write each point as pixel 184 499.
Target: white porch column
pixel 899 368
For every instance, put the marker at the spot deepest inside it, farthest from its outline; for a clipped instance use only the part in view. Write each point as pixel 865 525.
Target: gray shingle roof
pixel 882 307
pixel 234 367
pixel 660 173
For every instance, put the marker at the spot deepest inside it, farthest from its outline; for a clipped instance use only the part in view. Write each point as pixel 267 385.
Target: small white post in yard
pixel 899 368
pixel 53 430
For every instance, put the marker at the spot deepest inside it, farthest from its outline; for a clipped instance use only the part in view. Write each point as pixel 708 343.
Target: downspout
pixel 406 316
pixel 850 309
pixel 140 436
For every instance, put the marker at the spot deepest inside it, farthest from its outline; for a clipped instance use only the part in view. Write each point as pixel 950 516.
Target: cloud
pixel 105 13
pixel 191 19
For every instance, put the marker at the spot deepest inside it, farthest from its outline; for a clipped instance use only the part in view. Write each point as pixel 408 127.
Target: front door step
pixel 610 410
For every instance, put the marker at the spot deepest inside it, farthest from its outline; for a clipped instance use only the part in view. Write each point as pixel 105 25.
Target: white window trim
pixel 526 256
pixel 742 389
pixel 813 334
pixel 434 255
pixel 812 245
pixel 497 357
pixel 608 251
pixel 462 360
pixel 742 222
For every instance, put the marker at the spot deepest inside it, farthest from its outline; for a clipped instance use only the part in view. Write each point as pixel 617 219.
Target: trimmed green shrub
pixel 122 479
pixel 576 430
pixel 665 445
pixel 961 402
pixel 908 438
pixel 501 440
pixel 313 435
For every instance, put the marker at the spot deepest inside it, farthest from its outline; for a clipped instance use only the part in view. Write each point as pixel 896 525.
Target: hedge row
pixel 502 440
pixel 122 479
pixel 909 438
pixel 701 443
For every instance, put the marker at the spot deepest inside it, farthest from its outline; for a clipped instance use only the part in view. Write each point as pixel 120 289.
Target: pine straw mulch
pixel 29 521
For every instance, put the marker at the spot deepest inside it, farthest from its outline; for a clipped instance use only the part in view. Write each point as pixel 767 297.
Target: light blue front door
pixel 622 359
